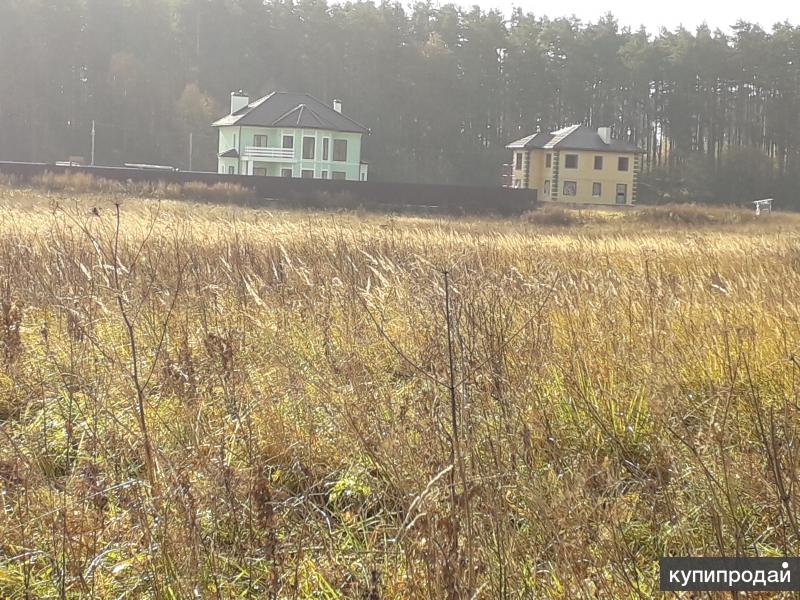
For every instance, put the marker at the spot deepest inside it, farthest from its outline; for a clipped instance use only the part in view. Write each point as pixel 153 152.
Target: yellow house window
pixel 570 188
pixel 519 161
pixel 597 189
pixel 622 163
pixel 546 190
pixel 598 163
pixel 548 160
pixel 571 161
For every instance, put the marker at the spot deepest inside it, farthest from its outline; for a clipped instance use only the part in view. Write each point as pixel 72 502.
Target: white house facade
pixel 290 135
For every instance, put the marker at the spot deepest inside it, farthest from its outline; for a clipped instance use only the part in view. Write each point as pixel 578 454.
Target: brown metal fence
pixel 448 199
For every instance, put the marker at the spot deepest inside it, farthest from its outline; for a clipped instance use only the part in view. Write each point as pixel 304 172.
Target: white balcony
pixel 269 154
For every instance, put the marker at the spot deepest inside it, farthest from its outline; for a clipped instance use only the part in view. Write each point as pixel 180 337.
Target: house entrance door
pixel 622 193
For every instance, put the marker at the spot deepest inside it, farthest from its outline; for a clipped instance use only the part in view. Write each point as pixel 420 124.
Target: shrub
pixel 232 192
pixel 326 200
pixel 555 216
pixel 154 189
pixel 79 182
pixel 76 182
pixel 694 214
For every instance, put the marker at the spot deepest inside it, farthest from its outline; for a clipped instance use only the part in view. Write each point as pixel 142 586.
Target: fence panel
pixel 449 199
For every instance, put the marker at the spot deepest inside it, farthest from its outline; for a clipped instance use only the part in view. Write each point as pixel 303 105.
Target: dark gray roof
pixel 574 137
pixel 285 109
pixel 232 153
pixel 537 140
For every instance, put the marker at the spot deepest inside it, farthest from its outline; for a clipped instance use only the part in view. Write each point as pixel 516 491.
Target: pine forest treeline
pixel 442 88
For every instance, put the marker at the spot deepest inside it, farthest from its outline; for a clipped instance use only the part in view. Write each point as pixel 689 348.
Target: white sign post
pixel 765 205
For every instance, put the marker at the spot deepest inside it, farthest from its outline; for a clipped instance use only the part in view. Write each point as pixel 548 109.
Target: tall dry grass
pixel 85 183
pixel 220 403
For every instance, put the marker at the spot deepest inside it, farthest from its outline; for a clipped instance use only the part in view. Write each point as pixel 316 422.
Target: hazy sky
pixel 656 13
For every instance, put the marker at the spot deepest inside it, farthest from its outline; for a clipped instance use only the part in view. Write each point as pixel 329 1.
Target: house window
pixel 548 160
pixel 288 141
pixel 307 174
pixel 260 172
pixel 325 144
pixel 260 141
pixel 622 193
pixel 324 175
pixel 622 163
pixel 340 150
pixel 571 161
pixel 517 183
pixel 231 170
pixel 339 175
pixel 597 189
pixel 286 172
pixel 308 148
pixel 598 163
pixel 363 177
pixel 570 188
pixel 519 161
pixel 546 190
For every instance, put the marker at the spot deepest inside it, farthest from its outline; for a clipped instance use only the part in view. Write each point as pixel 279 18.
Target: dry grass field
pixel 200 401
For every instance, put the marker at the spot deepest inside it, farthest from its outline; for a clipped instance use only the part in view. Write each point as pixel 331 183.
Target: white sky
pixel 656 13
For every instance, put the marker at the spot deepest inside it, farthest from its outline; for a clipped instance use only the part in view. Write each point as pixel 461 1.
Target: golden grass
pixel 84 183
pixel 622 391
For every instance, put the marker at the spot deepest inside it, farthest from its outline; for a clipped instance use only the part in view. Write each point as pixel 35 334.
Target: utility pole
pixel 93 132
pixel 191 143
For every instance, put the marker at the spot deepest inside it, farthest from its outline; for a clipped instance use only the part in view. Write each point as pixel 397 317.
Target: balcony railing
pixel 262 153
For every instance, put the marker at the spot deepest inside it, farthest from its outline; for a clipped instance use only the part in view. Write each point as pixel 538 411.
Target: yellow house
pixel 576 165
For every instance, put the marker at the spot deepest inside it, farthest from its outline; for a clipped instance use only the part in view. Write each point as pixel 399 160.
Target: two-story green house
pixel 290 135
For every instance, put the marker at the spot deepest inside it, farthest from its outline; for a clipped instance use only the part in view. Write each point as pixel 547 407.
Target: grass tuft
pixel 555 216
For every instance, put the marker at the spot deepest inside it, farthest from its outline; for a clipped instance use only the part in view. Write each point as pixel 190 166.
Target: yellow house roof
pixel 574 137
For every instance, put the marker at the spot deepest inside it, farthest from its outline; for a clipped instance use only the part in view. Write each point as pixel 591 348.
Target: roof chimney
pixel 238 101
pixel 337 105
pixel 605 134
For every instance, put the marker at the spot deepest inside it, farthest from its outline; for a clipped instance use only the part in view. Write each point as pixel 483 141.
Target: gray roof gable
pixel 537 140
pixel 286 109
pixel 574 137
